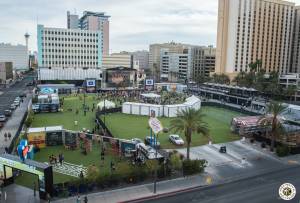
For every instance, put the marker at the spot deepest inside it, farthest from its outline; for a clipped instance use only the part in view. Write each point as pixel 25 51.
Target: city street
pixel 8 95
pixel 259 189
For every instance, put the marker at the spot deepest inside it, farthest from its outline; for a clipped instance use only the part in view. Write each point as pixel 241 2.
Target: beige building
pixel 249 30
pixel 295 60
pixel 6 72
pixel 203 61
pixel 117 60
pixel 97 21
pixel 155 54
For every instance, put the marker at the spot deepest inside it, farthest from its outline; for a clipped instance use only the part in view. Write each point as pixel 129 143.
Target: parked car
pixel 2 118
pixel 18 99
pixel 36 108
pixel 136 140
pixel 16 103
pixel 176 139
pixel 7 113
pixel 12 107
pixel 150 141
pixel 29 84
pixel 22 95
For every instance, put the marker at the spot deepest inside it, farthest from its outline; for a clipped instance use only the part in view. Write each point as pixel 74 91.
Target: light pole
pixel 84 107
pixel 104 111
pixel 156 166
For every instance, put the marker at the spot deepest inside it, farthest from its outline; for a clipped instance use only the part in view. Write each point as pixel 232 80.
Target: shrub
pixel 166 130
pixel 282 151
pixel 191 167
pixel 92 173
pixel 176 161
pixel 29 119
pixel 152 165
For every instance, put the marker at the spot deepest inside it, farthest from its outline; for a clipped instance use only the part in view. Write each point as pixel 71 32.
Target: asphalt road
pixel 260 189
pixel 8 95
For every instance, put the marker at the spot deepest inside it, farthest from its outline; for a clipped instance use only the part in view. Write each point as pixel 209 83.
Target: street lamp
pixel 155 173
pixel 104 111
pixel 84 107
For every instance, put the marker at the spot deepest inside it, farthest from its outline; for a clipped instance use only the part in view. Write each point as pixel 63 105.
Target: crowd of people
pixel 54 160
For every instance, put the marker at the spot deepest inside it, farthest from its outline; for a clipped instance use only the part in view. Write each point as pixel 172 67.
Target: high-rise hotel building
pixel 95 21
pixel 64 48
pixel 250 30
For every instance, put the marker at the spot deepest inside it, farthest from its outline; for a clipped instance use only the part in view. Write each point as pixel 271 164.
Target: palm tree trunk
pixel 272 143
pixel 188 150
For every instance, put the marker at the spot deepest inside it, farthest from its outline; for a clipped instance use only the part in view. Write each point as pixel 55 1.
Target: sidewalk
pixel 142 191
pixel 13 124
pixel 16 193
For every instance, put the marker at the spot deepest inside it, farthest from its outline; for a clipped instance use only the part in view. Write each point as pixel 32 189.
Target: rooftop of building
pixel 11 45
pixel 66 29
pixel 97 14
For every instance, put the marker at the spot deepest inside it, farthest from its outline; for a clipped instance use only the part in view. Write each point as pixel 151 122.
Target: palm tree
pixel 188 122
pixel 253 67
pixel 290 91
pixel 271 118
pixel 259 64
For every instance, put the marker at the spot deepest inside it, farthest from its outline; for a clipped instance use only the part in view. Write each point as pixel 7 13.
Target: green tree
pixel 271 118
pixel 240 78
pixel 253 67
pixel 29 119
pixel 259 65
pixel 290 91
pixel 188 122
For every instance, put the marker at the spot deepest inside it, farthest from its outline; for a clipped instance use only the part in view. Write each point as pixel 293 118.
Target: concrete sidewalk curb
pixel 190 189
pixel 167 194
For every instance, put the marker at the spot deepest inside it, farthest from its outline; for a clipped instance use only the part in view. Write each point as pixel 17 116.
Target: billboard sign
pixel 149 84
pixel 37 139
pixel 155 125
pixel 91 83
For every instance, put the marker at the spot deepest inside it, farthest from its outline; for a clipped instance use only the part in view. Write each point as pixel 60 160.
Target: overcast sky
pixel 134 24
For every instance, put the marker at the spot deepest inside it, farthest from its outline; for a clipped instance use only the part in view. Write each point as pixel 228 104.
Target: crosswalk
pixel 69 169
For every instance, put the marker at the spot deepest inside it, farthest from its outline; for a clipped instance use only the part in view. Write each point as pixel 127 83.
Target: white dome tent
pixel 108 104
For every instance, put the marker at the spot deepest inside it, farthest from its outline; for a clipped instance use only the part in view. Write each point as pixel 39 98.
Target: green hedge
pixel 191 167
pixel 282 150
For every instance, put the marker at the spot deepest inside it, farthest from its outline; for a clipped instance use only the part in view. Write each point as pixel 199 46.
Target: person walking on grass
pixel 78 200
pixel 85 200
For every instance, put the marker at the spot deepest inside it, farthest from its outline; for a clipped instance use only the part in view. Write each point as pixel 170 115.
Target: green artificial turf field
pixel 67 118
pixel 74 157
pixel 131 126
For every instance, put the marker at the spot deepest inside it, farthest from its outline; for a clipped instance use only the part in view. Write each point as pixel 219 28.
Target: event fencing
pixel 145 109
pixel 15 137
pixel 102 123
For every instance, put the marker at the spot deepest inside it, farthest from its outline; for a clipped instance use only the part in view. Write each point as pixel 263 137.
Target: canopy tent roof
pixel 151 95
pixel 108 104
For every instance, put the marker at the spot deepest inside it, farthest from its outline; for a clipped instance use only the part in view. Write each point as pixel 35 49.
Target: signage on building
pixel 90 83
pixel 149 84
